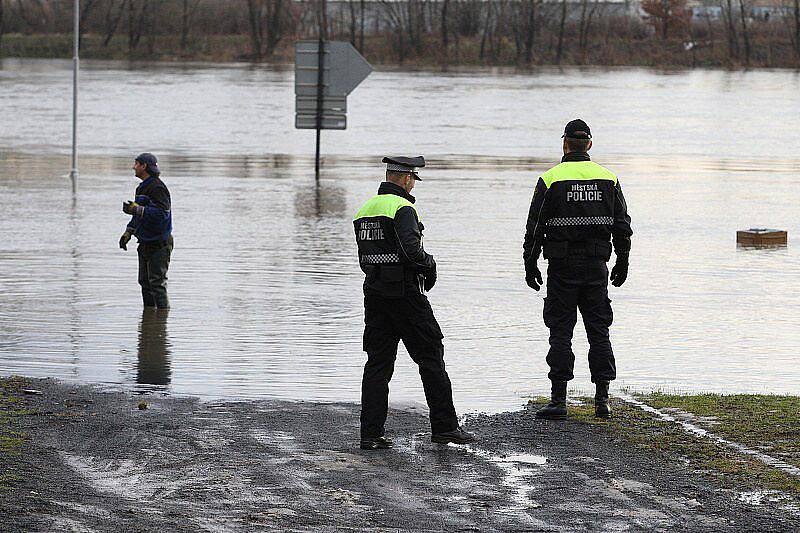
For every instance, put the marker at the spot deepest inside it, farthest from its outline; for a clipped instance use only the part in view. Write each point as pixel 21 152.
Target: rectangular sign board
pixel 309 122
pixel 308 104
pixel 343 68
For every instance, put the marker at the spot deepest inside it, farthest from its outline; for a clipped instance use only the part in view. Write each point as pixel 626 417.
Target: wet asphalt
pixel 94 461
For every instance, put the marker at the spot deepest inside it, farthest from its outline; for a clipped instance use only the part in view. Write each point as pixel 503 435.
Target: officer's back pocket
pixel 391 277
pixel 391 273
pixel 555 249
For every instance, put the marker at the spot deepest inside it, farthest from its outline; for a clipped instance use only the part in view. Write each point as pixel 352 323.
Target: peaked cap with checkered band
pixel 405 164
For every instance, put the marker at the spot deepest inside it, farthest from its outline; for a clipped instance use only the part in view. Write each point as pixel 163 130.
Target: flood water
pixel 264 282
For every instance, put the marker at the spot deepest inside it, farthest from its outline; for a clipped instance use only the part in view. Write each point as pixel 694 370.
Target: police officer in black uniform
pixel 398 274
pixel 577 212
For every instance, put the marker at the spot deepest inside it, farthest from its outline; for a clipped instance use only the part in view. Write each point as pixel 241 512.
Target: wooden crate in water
pixel 761 237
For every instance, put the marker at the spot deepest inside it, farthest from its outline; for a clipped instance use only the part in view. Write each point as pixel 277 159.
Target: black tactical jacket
pixel 577 208
pixel 389 237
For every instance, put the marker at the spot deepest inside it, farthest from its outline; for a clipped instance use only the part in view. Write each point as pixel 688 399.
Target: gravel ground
pixel 93 461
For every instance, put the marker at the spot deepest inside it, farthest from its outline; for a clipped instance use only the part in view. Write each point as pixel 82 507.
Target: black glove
pixel 620 271
pixel 123 241
pixel 429 276
pixel 430 280
pixel 533 277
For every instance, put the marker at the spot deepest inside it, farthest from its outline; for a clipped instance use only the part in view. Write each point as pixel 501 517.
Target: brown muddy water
pixel 264 281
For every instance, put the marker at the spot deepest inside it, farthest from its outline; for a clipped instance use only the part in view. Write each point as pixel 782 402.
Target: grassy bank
pixel 12 407
pixel 770 424
pixel 381 49
pixel 766 423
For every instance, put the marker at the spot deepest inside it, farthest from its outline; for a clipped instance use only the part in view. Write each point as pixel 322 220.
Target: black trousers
pixel 410 319
pixel 578 283
pixel 153 265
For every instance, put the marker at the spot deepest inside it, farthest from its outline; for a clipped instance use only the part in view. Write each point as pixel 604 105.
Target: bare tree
pixel 351 5
pixel 416 23
pixel 137 19
pixel 524 28
pixel 86 10
pixel 745 34
pixel 33 14
pixel 584 26
pixel 2 24
pixel 485 34
pixel 445 36
pixel 796 27
pixel 111 20
pixel 188 9
pixel 361 29
pixel 269 21
pixel 530 31
pixel 560 47
pixel 730 27
pixel 396 19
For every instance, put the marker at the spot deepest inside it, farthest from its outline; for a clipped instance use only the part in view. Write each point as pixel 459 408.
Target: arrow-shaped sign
pixel 343 68
pixel 348 68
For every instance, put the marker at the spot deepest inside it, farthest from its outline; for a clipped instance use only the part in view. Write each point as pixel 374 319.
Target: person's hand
pixel 130 208
pixel 533 276
pixel 620 271
pixel 430 280
pixel 123 241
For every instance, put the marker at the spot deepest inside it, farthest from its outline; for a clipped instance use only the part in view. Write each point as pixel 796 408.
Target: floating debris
pixel 142 405
pixel 761 238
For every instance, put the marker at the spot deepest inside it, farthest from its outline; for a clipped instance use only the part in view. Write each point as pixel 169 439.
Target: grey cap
pixel 405 164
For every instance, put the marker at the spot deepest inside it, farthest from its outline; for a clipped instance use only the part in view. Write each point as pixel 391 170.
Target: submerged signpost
pixel 325 72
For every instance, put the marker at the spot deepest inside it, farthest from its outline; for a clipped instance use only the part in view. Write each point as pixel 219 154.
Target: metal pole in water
pixel 74 172
pixel 320 95
pixel 323 30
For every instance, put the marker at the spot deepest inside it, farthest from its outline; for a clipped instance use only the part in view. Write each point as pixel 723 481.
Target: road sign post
pixel 325 73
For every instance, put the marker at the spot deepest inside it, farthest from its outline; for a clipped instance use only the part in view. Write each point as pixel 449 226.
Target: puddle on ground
pixel 518 469
pixel 760 497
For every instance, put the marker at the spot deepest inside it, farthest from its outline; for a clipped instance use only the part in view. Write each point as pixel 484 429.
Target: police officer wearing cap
pixel 398 274
pixel 577 212
pixel 151 224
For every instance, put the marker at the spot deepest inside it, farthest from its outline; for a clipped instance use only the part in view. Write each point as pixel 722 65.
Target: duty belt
pixel 588 248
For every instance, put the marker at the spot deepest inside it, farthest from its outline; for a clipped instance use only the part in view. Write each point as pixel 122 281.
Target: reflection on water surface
pixel 264 280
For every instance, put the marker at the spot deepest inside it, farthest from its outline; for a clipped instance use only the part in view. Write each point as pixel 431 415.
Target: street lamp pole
pixel 73 175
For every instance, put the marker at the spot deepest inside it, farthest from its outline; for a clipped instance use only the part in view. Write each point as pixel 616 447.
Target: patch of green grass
pixel 767 423
pixel 669 440
pixel 12 406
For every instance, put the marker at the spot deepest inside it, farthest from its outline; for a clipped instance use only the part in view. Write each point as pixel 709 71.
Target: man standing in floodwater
pixel 151 223
pixel 577 212
pixel 398 274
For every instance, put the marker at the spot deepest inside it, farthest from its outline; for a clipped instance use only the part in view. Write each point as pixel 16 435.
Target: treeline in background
pixel 417 32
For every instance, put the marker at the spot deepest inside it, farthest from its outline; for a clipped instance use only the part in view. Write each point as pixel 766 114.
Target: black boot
pixel 457 436
pixel 376 443
pixel 601 407
pixel 557 408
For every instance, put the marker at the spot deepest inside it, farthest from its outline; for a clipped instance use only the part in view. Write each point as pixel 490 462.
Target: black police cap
pixel 404 164
pixel 577 129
